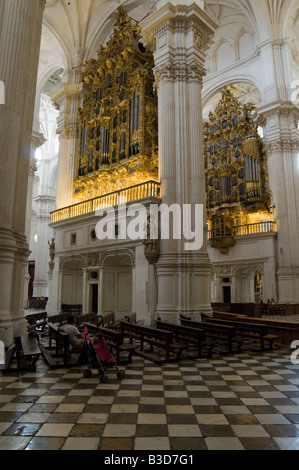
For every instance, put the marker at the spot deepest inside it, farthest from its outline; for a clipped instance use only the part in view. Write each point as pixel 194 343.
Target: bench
pixel 188 335
pixel 115 341
pixel 108 321
pixel 154 337
pixel 59 318
pixel 248 330
pixel 224 315
pixel 72 309
pixel 27 347
pixel 220 333
pixel 132 318
pixel 62 341
pixel 80 320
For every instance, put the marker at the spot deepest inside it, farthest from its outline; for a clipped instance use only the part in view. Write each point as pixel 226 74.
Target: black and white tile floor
pixel 246 401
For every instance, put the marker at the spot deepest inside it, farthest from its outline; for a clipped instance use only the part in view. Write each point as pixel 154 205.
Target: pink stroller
pixel 99 356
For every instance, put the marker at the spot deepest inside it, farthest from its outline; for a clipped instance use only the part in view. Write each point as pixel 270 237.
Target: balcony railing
pixel 250 229
pixel 131 194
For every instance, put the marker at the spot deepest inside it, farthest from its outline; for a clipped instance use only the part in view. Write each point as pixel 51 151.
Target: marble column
pixel 37 141
pixel 68 98
pixel 20 36
pixel 280 122
pixel 181 34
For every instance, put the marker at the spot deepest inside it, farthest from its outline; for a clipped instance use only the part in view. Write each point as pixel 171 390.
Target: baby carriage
pixel 98 355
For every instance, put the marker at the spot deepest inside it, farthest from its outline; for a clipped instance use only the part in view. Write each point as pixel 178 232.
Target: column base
pixel 184 286
pixel 288 285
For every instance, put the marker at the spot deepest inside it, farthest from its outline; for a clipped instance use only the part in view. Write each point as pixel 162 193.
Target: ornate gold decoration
pixel 119 118
pixel 236 172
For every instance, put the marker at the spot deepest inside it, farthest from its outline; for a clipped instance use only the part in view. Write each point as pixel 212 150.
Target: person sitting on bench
pixel 76 340
pixel 31 328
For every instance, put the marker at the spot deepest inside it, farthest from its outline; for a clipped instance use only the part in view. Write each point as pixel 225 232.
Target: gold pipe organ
pixel 119 117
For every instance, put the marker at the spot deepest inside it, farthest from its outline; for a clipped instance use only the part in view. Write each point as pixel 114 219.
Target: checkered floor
pixel 245 401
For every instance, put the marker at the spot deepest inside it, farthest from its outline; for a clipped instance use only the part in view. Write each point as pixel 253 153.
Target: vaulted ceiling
pixel 74 29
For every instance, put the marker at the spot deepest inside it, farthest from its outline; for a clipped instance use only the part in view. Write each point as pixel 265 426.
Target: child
pixel 31 328
pixel 102 350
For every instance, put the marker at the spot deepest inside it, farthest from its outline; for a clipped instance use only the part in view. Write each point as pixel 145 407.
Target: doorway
pixel 227 297
pixel 31 271
pixel 94 298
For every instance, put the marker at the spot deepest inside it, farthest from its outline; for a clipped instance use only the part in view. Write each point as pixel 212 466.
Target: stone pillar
pixel 181 34
pixel 68 99
pixel 20 36
pixel 280 121
pixel 37 141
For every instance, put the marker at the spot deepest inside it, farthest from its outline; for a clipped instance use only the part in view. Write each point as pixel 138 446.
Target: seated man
pixel 76 340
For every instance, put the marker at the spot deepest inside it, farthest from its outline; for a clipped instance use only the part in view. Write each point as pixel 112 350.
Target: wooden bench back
pixel 181 331
pixel 239 325
pixel 112 337
pixel 147 332
pixel 131 318
pixel 87 317
pixel 107 319
pixel 60 336
pixel 72 309
pixel 216 328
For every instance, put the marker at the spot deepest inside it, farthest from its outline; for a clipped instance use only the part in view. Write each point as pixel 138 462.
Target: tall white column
pixel 181 34
pixel 68 98
pixel 282 149
pixel 20 35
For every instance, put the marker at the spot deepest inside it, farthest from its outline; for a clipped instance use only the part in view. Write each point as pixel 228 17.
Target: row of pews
pixel 162 342
pixel 169 342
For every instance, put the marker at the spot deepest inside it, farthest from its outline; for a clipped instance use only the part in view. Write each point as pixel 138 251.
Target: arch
pixel 72 263
pixel 116 281
pixel 110 257
pixel 53 175
pixel 211 94
pixel 222 44
pixel 244 50
pixel 71 280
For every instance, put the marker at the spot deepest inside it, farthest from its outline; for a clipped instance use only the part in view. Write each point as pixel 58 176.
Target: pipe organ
pixel 119 117
pixel 236 173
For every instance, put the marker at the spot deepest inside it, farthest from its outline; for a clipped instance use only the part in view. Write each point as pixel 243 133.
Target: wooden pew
pixel 60 318
pixel 115 340
pixel 62 341
pixel 188 335
pixel 92 318
pixel 9 354
pixel 27 347
pixel 220 333
pixel 108 321
pixel 224 315
pixel 154 337
pixel 248 330
pixel 75 309
pixel 132 318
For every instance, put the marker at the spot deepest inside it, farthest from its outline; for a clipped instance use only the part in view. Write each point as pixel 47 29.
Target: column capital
pixel 67 97
pixel 180 34
pixel 280 122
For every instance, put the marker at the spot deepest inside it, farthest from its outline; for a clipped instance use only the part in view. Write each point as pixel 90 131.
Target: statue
pixel 51 252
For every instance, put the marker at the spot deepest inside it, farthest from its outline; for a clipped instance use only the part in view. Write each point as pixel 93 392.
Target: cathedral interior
pixel 112 108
